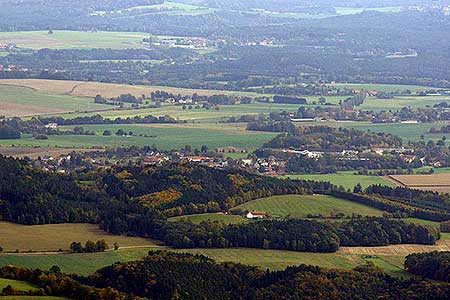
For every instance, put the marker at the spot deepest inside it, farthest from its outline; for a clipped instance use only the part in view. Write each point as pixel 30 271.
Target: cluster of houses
pixel 195 43
pixel 433 8
pixel 7 46
pixel 156 158
pixel 12 68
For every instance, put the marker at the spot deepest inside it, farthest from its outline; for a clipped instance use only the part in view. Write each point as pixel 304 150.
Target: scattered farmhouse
pixel 254 215
pixel 51 126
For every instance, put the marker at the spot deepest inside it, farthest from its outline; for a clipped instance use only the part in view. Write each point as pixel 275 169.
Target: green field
pixel 300 206
pixel 169 8
pixel 382 87
pixel 423 222
pixel 164 137
pixel 83 264
pixel 61 39
pixel 86 264
pixel 408 132
pixel 22 101
pixel 278 259
pixel 346 179
pixel 197 115
pixel 19 285
pixel 214 217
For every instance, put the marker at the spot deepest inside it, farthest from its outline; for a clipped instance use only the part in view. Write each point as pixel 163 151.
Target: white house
pixel 51 126
pixel 256 215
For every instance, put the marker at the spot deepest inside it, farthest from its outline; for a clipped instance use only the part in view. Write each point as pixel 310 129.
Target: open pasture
pixel 18 285
pixel 398 102
pixel 408 132
pixel 194 115
pixel 279 259
pixel 64 39
pixel 390 88
pixel 163 136
pixel 59 236
pixel 346 179
pixel 25 101
pixel 433 182
pixel 87 263
pixel 83 264
pixel 300 206
pixel 168 8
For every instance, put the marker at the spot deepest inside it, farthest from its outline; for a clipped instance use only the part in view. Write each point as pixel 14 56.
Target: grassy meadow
pixel 87 263
pixel 59 236
pixel 346 179
pixel 64 39
pixel 300 206
pixel 19 285
pixel 23 101
pixel 84 264
pixel 164 137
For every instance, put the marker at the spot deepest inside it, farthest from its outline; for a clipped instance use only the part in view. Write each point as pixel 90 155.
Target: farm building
pixel 256 215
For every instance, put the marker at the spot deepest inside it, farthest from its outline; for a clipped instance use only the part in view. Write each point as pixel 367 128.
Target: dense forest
pixel 165 276
pixel 432 265
pixel 300 235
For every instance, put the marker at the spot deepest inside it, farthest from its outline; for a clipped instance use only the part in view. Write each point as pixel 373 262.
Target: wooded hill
pixel 165 276
pixel 135 200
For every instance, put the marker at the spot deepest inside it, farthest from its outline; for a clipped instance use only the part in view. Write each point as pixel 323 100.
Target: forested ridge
pixel 166 276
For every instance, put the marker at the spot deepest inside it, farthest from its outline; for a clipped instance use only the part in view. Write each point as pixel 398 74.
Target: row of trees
pixel 89 247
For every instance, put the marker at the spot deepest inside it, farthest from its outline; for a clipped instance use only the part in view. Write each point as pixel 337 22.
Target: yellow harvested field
pixel 43 238
pixel 433 182
pixel 22 110
pixel 108 90
pixel 441 245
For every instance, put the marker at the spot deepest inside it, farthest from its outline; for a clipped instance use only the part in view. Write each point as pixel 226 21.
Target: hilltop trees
pixel 7 132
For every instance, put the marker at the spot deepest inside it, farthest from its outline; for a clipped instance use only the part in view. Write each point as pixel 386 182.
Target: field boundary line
pixel 70 92
pixel 23 86
pixel 396 181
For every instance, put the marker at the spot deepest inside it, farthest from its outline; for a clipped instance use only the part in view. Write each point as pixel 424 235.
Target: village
pixel 272 165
